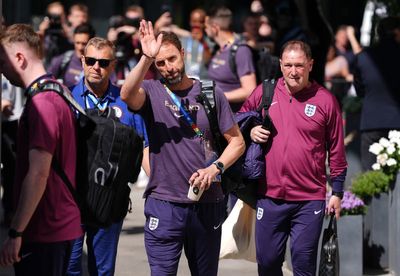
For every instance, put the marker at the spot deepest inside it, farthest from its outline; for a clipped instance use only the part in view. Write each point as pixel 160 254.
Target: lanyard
pixel 189 51
pixel 96 102
pixel 185 114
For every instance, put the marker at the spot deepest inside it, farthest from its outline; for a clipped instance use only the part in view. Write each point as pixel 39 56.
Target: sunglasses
pixel 103 63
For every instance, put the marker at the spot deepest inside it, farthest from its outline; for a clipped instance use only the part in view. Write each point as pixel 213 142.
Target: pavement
pixel 132 259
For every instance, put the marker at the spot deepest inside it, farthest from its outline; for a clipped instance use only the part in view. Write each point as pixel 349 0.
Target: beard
pixel 178 78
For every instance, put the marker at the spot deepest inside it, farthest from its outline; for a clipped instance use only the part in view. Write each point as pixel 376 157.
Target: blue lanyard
pixel 189 51
pixel 185 114
pixel 96 102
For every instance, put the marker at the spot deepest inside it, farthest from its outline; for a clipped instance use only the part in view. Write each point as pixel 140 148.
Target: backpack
pixel 267 65
pixel 242 177
pixel 109 157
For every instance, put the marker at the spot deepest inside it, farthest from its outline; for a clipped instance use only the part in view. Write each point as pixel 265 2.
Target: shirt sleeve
pixel 253 101
pixel 44 124
pixel 335 144
pixel 244 61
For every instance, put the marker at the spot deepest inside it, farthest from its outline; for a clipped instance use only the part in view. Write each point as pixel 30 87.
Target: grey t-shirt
pixel 175 150
pixel 220 71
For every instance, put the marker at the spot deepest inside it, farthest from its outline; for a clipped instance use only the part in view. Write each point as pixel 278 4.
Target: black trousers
pixel 45 259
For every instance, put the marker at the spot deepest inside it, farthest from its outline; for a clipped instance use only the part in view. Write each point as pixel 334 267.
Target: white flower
pixel 391 162
pixel 376 167
pixel 384 142
pixel 375 148
pixel 391 149
pixel 394 134
pixel 382 159
pixel 395 140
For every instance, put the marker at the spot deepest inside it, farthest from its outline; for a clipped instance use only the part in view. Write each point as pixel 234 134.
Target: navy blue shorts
pixel 47 259
pixel 172 226
pixel 276 220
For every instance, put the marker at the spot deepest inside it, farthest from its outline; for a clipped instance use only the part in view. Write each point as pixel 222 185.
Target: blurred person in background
pixel 123 32
pixel 67 67
pixel 376 80
pixel 78 14
pixel 54 32
pixel 196 45
pixel 12 103
pixel 237 86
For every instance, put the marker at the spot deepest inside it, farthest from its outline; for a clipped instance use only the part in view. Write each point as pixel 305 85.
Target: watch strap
pixel 338 194
pixel 12 233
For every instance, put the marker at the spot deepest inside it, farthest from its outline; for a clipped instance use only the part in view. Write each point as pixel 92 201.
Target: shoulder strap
pixel 57 168
pixel 232 56
pixel 45 85
pixel 207 99
pixel 268 87
pixel 64 63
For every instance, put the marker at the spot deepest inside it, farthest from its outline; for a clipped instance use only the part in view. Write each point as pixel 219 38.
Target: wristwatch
pixel 220 166
pixel 338 194
pixel 12 233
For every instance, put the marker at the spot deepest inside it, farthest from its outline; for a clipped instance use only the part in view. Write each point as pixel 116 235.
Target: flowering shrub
pixel 369 184
pixel 351 204
pixel 387 153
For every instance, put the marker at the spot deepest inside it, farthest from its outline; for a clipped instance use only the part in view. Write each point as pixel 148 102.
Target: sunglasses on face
pixel 103 63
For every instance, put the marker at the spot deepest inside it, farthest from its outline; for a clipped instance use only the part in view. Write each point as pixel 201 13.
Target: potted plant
pixel 370 184
pixel 378 189
pixel 387 152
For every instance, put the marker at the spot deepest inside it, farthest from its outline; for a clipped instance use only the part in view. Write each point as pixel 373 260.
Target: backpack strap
pixel 46 85
pixel 268 87
pixel 207 99
pixel 67 57
pixel 232 56
pixel 58 169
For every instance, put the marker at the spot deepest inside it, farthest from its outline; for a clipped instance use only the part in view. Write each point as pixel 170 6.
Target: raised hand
pixel 150 45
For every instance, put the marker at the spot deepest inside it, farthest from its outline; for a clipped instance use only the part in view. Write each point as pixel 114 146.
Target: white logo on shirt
pixel 260 213
pixel 118 111
pixel 273 103
pixel 317 212
pixel 310 109
pixel 153 223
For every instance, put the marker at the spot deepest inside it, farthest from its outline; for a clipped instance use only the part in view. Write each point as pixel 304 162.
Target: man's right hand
pixel 150 45
pixel 259 135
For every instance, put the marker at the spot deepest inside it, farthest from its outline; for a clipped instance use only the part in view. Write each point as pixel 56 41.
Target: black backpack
pixel 267 65
pixel 232 179
pixel 109 156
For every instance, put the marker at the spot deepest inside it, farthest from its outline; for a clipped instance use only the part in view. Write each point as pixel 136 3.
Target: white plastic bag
pixel 238 233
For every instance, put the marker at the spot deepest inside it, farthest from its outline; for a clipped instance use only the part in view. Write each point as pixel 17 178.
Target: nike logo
pixel 317 212
pixel 273 103
pixel 216 227
pixel 26 255
pixel 177 116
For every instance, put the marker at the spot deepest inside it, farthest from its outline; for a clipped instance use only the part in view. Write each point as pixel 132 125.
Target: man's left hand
pixel 203 178
pixel 10 252
pixel 334 206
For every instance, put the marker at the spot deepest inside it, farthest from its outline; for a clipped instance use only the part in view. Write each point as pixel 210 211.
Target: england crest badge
pixel 310 109
pixel 260 213
pixel 153 223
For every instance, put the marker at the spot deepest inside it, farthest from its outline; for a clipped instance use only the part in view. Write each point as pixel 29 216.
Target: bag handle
pixel 333 223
